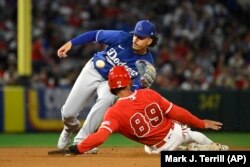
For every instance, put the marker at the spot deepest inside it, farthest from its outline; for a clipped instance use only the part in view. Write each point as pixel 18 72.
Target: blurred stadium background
pixel 202 59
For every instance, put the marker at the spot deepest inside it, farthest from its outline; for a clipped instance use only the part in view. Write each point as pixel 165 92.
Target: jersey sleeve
pixel 177 113
pixel 165 105
pixel 110 121
pixel 185 117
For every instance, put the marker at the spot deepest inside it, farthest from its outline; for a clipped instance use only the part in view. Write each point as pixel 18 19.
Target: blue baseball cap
pixel 144 28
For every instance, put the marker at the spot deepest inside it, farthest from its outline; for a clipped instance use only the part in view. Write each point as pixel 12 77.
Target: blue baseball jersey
pixel 119 51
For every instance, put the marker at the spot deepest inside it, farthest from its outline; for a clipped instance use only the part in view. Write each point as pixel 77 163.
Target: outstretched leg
pixel 199 138
pixel 94 119
pixel 203 143
pixel 83 89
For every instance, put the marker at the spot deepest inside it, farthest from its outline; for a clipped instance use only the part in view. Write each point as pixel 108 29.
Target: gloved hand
pixel 147 72
pixel 73 150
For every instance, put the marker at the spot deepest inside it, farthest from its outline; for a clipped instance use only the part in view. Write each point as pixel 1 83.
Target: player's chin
pixel 135 47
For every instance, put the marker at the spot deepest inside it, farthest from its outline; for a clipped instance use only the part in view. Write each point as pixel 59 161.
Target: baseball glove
pixel 147 72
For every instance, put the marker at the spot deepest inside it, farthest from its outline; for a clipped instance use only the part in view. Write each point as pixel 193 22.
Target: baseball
pixel 100 63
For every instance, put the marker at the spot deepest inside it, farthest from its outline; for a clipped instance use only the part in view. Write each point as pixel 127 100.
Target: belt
pixel 161 143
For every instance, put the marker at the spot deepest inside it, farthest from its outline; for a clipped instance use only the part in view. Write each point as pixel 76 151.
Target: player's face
pixel 141 44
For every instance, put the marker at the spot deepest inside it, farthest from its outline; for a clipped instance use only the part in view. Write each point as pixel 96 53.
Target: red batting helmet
pixel 118 77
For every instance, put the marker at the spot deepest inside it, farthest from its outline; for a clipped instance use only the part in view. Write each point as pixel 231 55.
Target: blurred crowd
pixel 202 44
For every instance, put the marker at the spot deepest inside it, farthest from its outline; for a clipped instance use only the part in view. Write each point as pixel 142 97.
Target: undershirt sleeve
pixel 84 38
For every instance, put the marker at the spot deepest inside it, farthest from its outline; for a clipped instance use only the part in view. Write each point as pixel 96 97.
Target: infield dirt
pixel 106 157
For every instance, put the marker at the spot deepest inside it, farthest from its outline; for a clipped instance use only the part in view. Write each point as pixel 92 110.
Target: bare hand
pixel 62 51
pixel 209 124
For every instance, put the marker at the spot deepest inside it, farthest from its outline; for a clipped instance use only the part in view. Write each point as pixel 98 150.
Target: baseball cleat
pixel 182 148
pixel 193 147
pixel 220 147
pixel 64 139
pixel 207 147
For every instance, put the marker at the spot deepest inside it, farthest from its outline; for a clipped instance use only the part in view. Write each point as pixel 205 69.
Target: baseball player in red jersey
pixel 146 117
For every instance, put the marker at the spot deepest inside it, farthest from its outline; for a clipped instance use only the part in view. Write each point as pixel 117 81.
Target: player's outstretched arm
pixel 210 124
pixel 62 51
pixel 92 141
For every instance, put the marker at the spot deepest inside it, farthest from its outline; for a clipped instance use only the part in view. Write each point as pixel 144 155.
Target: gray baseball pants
pixel 88 84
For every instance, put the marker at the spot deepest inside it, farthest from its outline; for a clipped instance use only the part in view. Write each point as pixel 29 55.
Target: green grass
pixel 50 140
pixel 115 140
pixel 238 139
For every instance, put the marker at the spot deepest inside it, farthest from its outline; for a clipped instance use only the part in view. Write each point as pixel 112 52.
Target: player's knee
pixel 108 100
pixel 66 115
pixel 187 136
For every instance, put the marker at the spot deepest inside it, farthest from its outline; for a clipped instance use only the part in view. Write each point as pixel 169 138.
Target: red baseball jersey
pixel 144 116
pixel 141 117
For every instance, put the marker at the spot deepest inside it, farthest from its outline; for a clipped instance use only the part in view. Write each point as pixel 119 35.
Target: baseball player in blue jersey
pixel 124 49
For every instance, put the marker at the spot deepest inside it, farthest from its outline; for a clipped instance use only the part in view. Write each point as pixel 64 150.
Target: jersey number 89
pixel 152 117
